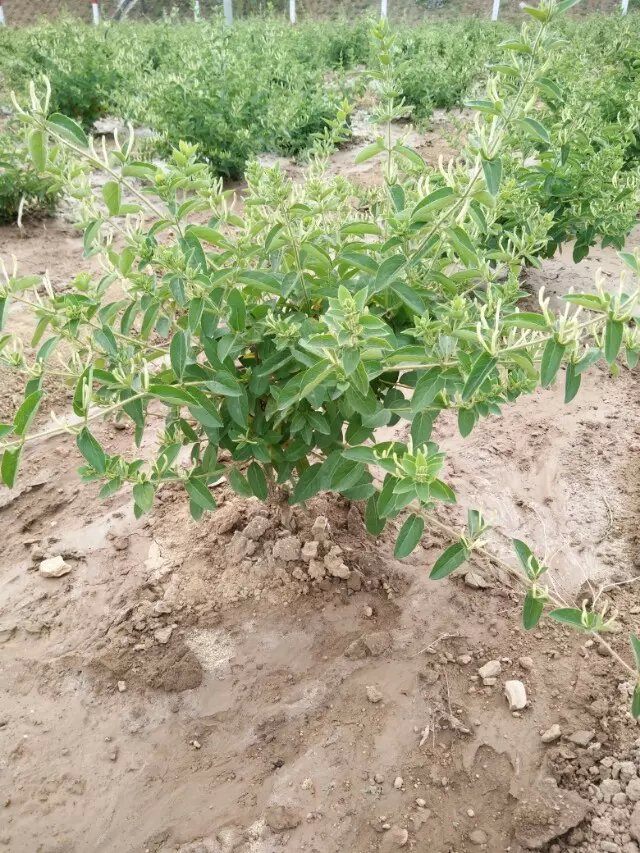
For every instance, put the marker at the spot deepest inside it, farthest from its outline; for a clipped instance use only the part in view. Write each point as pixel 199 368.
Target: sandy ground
pixel 187 687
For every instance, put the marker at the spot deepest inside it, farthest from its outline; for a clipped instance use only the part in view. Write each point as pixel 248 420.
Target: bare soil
pixel 208 688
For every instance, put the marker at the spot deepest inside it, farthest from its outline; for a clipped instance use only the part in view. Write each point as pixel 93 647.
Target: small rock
pixel 634 826
pixel 335 565
pixel 490 669
pixel 310 550
pixel 476 581
pixel 552 734
pixel 609 787
pixel 281 818
pixel 377 642
pixel 287 549
pixel 257 527
pixel 316 570
pixel 421 803
pixel 398 782
pixel 396 837
pixel 478 837
pixel 320 530
pixel 163 635
pixel 354 581
pixel 489 682
pixel 556 812
pixel 581 738
pixel 122 686
pixel 356 650
pixel 463 660
pixel 161 608
pixel 526 662
pixel 373 694
pixel 516 695
pixel 633 790
pixel 230 839
pixel 307 785
pixel 54 567
pixel 378 778
pixel 225 518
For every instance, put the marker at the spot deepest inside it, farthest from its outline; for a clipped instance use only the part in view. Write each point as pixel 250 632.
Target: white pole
pixel 383 8
pixel 292 11
pixel 496 10
pixel 625 6
pixel 2 19
pixel 196 10
pixel 96 12
pixel 227 5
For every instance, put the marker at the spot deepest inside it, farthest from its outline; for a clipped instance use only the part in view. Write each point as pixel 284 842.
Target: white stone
pixel 490 669
pixel 516 695
pixel 163 635
pixel 552 734
pixel 54 567
pixel 373 694
pixel 633 790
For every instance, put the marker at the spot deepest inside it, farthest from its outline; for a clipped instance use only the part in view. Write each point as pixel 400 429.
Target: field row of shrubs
pixel 265 86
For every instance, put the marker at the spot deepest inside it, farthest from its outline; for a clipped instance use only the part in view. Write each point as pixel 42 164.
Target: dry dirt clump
pixel 245 551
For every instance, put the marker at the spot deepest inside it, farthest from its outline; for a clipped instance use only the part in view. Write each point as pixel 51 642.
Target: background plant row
pixel 264 86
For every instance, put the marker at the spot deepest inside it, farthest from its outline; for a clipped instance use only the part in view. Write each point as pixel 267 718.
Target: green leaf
pixel 143 495
pixel 635 703
pixel 85 380
pixel 178 353
pixel 69 129
pixel 492 174
pixel 568 616
pixel 409 297
pixel 238 311
pixel 112 195
pixel 310 482
pixel 200 494
pixel 9 466
pixel 172 395
pixel 373 522
pixel 526 556
pixel 531 611
pixel 386 498
pixel 572 382
pixel 533 127
pixel 409 154
pixel 563 5
pixel 441 492
pixel 482 368
pixel 27 412
pixel 38 149
pixel 409 536
pixel 551 361
pixel 466 421
pixel 635 648
pixel 92 451
pixel 369 151
pixel 257 481
pixel 612 339
pixel 239 483
pixel 427 388
pixel 451 559
pixel 421 428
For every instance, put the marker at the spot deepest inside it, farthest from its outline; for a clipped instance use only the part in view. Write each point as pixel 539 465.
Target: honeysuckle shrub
pixel 23 191
pixel 279 339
